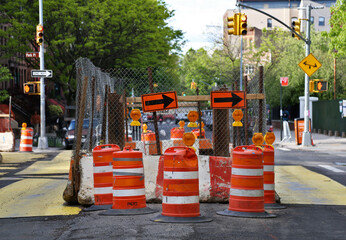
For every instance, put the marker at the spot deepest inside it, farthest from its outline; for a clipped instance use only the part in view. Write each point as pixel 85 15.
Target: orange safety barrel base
pixel 246 214
pixel 167 219
pixel 97 208
pixel 133 211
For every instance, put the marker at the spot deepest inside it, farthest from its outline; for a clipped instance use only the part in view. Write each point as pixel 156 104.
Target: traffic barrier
pixel 103 176
pixel 205 146
pixel 246 193
pixel 26 140
pixel 130 143
pixel 180 200
pixel 220 176
pixel 159 179
pixel 177 136
pixel 269 178
pixel 149 139
pixel 128 184
pixel 197 132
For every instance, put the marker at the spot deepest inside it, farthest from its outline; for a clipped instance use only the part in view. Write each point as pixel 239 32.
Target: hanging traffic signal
pixel 296 27
pixel 39 34
pixel 193 85
pixel 242 30
pixel 232 25
pixel 32 88
pixel 318 85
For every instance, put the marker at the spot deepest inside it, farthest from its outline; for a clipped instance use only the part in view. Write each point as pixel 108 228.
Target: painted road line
pixel 59 165
pixel 284 149
pixel 298 185
pixel 8 168
pixel 34 197
pixel 2 173
pixel 331 168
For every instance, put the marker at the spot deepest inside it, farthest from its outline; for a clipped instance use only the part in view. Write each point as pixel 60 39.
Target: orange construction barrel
pixel 26 140
pixel 180 197
pixel 246 192
pixel 128 184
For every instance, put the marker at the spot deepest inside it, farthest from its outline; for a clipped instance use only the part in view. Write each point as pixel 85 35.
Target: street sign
pixel 32 54
pixel 227 99
pixel 42 73
pixel 284 81
pixel 310 64
pixel 159 101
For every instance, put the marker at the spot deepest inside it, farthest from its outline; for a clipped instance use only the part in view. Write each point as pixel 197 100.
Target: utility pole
pixel 42 140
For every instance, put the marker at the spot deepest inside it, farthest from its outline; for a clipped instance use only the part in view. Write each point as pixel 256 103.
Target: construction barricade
pixel 246 193
pixel 177 134
pixel 149 139
pixel 103 176
pixel 220 176
pixel 130 143
pixel 180 200
pixel 128 184
pixel 26 139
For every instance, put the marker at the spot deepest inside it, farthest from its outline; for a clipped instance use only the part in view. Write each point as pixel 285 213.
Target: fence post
pixel 104 117
pixel 115 120
pixel 245 113
pixel 260 114
pixel 91 125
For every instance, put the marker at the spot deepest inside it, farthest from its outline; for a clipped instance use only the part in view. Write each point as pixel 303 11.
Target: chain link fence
pixel 105 99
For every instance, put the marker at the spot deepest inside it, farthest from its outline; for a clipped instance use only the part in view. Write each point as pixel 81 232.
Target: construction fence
pixel 105 99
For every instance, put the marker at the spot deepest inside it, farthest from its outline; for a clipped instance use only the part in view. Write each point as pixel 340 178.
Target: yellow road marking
pixel 18 157
pixel 34 197
pixel 7 168
pixel 3 173
pixel 298 185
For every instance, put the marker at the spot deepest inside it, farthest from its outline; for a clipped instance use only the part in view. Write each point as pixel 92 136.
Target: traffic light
pixel 318 85
pixel 193 85
pixel 232 24
pixel 32 88
pixel 296 27
pixel 242 22
pixel 39 34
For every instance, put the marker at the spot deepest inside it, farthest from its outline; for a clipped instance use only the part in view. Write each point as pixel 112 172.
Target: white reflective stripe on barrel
pixel 180 175
pixel 247 172
pixel 102 169
pixel 180 199
pixel 176 139
pixel 268 168
pixel 25 145
pixel 246 193
pixel 128 170
pixel 103 190
pixel 128 192
pixel 26 137
pixel 268 187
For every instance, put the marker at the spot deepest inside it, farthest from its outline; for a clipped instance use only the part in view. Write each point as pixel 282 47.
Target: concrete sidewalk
pixel 321 143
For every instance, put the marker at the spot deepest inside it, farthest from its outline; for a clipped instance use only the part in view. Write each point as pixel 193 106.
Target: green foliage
pixel 54 111
pixel 337 32
pixel 5 75
pixel 112 34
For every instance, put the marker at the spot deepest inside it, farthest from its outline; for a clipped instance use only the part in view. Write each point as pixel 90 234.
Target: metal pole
pixel 306 141
pixel 42 140
pixel 280 112
pixel 241 64
pixel 334 78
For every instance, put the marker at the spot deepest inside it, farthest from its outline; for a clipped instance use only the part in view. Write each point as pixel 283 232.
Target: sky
pixel 196 17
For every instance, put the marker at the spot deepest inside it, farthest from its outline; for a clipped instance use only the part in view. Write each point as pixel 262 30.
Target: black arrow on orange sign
pixel 235 99
pixel 165 101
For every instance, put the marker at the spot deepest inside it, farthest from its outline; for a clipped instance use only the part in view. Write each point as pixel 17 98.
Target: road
pixel 310 182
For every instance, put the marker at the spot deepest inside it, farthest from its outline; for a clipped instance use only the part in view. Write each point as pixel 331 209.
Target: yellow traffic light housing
pixel 242 22
pixel 296 27
pixel 39 34
pixel 32 88
pixel 232 24
pixel 318 85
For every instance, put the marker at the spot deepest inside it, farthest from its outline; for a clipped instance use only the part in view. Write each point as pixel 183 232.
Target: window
pixel 312 20
pixel 321 21
pixel 269 23
pixel 249 69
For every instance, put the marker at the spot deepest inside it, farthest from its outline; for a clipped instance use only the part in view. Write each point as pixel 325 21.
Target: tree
pixel 112 34
pixel 4 76
pixel 337 32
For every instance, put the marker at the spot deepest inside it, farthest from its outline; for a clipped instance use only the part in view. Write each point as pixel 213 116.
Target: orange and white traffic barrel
pixel 177 136
pixel 128 184
pixel 269 178
pixel 26 139
pixel 149 139
pixel 103 176
pixel 246 192
pixel 180 197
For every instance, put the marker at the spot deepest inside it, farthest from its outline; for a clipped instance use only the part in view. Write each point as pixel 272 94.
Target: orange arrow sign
pixel 227 99
pixel 159 101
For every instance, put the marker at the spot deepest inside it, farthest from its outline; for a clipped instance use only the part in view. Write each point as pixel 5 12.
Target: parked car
pixel 207 118
pixel 70 132
pixel 182 116
pixel 168 118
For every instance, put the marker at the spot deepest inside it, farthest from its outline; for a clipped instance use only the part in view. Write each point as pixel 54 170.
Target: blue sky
pixel 194 16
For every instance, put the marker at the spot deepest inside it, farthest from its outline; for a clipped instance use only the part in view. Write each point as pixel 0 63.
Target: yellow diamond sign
pixel 309 64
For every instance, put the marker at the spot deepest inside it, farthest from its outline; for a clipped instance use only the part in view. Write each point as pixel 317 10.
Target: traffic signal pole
pixel 42 140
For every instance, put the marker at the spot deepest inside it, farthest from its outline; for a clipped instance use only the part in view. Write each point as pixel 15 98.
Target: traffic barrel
pixel 103 176
pixel 26 139
pixel 149 139
pixel 128 184
pixel 269 178
pixel 130 143
pixel 177 136
pixel 180 197
pixel 246 192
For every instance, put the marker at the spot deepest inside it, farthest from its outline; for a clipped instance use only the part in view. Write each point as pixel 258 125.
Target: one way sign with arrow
pixel 42 73
pixel 159 101
pixel 227 99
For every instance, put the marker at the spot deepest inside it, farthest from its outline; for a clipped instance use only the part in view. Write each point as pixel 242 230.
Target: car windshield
pixel 72 125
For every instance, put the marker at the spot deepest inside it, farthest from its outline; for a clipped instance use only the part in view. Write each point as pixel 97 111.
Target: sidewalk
pixel 321 143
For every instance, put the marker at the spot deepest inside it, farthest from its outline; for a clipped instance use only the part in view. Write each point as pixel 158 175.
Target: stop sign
pixel 284 81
